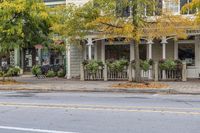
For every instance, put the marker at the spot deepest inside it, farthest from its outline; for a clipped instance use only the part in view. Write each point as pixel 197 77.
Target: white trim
pixel 163 50
pixel 186 41
pixel 117 43
pixel 32 130
pixel 89 44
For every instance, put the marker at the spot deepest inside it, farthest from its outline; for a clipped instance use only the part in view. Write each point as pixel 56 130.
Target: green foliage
pixel 71 21
pixel 36 70
pixel 167 64
pixel 61 73
pixel 51 74
pixel 117 65
pixel 93 66
pixel 13 71
pixel 1 73
pixel 145 65
pixel 23 23
pixel 58 47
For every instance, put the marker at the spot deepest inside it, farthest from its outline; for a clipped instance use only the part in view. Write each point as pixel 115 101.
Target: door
pixel 29 59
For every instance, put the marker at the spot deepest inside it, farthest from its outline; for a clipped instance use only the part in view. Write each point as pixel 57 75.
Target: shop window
pixel 117 52
pixel 143 51
pixel 186 52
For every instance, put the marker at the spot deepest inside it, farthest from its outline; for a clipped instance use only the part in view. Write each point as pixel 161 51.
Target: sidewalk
pixel 55 84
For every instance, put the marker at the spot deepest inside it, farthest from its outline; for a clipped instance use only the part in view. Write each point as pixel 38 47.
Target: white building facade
pixel 165 48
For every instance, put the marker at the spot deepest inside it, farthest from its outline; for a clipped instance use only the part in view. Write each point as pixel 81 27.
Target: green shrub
pixel 117 65
pixel 51 73
pixel 145 65
pixel 36 70
pixel 167 64
pixel 13 71
pixel 1 73
pixel 61 73
pixel 93 65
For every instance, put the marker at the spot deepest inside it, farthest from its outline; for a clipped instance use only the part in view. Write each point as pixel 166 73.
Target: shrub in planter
pixel 117 65
pixel 151 62
pixel 167 64
pixel 36 70
pixel 93 65
pixel 61 73
pixel 85 62
pixel 145 65
pixel 13 71
pixel 51 73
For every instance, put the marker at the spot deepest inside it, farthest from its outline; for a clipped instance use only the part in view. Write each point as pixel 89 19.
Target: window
pixel 122 10
pixel 182 3
pixel 117 52
pixel 171 6
pixel 186 52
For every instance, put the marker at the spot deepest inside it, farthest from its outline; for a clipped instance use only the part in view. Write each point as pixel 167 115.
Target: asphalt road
pixel 33 112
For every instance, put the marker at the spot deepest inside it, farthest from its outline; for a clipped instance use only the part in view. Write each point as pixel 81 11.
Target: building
pixel 101 49
pixel 166 48
pixel 26 58
pixel 54 2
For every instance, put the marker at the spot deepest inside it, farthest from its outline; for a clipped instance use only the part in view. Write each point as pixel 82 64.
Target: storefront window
pixel 186 52
pixel 143 51
pixel 117 51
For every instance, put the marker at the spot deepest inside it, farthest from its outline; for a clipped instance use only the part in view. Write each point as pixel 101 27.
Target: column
pixel 149 51
pixel 132 57
pixel 84 52
pixel 175 50
pixel 68 64
pixel 149 44
pixel 103 51
pixel 40 56
pixel 17 56
pixel 132 54
pixel 89 44
pixel 96 51
pixel 164 42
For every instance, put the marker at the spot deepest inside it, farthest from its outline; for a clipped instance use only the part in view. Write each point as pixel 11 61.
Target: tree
pixel 71 21
pixel 111 19
pixel 138 25
pixel 23 23
pixel 194 6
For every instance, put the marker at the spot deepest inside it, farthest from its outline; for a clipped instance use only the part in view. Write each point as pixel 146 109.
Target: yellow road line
pixel 80 107
pixel 98 106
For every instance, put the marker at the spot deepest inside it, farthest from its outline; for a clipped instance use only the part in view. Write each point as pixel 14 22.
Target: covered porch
pixel 165 48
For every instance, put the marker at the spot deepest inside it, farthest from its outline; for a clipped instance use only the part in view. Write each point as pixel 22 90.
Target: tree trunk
pixel 138 77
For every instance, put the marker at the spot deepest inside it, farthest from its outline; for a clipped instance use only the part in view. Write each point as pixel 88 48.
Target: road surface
pixel 34 112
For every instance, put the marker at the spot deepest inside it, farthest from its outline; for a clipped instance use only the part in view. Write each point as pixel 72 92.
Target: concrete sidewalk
pixel 56 84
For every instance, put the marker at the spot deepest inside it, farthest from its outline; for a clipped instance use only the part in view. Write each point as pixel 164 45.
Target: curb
pixel 137 91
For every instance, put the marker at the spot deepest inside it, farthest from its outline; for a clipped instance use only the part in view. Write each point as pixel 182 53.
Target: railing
pixel 170 74
pixel 154 73
pixel 115 75
pixel 87 75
